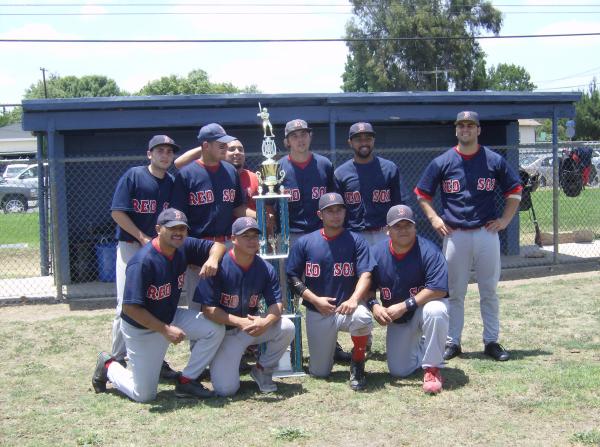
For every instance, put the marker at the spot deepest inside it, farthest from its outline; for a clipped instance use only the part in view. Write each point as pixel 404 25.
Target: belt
pixel 216 238
pixel 469 229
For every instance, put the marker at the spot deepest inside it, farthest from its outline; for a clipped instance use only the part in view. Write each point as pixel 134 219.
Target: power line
pixel 359 39
pixel 583 73
pixel 341 4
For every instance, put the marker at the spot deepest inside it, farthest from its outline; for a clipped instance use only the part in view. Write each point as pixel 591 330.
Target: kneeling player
pixel 412 278
pixel 331 270
pixel 151 319
pixel 231 299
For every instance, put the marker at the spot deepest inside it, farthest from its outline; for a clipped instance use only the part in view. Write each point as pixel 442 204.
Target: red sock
pixel 360 347
pixel 107 364
pixel 182 379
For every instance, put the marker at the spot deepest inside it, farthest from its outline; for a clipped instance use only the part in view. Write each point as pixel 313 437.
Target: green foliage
pixel 196 82
pixel 588 437
pixel 378 65
pixel 74 87
pixel 546 127
pixel 587 120
pixel 11 116
pixel 509 77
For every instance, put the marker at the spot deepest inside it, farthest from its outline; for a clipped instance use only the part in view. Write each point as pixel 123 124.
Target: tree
pixel 381 65
pixel 74 87
pixel 10 117
pixel 196 82
pixel 509 77
pixel 587 114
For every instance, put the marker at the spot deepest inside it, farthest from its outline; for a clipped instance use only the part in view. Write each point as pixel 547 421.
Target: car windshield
pixel 13 170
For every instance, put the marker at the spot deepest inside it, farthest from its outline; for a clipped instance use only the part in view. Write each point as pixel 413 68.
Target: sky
pixel 555 64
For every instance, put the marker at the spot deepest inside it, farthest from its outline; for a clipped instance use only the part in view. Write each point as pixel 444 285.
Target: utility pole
pixel 44 79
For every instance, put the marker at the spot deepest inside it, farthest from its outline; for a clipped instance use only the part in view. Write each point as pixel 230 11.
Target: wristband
pixel 411 304
pixel 372 303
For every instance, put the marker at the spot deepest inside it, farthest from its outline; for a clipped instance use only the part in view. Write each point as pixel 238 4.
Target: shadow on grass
pixel 453 378
pixel 517 354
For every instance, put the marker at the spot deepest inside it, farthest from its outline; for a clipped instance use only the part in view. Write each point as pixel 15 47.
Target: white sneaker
pixel 263 379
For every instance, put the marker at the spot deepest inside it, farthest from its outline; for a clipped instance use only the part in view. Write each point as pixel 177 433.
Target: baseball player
pixel 330 269
pixel 370 185
pixel 412 278
pixel 237 157
pixel 208 191
pixel 141 194
pixel 151 319
pixel 468 176
pixel 231 298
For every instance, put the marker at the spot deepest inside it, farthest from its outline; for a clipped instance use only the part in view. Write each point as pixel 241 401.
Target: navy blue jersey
pixel 306 183
pixel 330 266
pixel 154 281
pixel 468 185
pixel 236 289
pixel 207 196
pixel 142 196
pixel 369 191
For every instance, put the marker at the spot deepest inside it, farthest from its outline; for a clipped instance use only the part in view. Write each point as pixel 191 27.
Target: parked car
pixel 539 164
pixel 27 176
pixel 14 169
pixel 15 197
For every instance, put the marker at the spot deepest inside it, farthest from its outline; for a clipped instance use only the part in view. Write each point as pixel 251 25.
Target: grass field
pixel 547 395
pixel 20 228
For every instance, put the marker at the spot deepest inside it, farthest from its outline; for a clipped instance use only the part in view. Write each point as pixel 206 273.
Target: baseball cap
pixel 243 224
pixel 294 125
pixel 467 115
pixel 330 199
pixel 157 140
pixel 361 127
pixel 171 218
pixel 399 212
pixel 214 132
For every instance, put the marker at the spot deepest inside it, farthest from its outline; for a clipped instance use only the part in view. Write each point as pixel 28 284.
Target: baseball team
pixel 355 256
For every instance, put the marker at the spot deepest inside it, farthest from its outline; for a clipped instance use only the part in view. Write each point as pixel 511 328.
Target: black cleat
pixel 100 377
pixel 168 373
pixel 358 379
pixel 340 355
pixel 192 389
pixel 496 351
pixel 452 350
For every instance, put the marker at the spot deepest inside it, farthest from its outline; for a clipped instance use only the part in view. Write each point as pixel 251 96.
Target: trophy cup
pixel 268 175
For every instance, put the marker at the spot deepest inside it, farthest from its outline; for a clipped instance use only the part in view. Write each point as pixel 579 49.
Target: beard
pixel 363 152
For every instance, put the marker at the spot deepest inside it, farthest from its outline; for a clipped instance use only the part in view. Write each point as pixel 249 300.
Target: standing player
pixel 237 157
pixel 468 175
pixel 412 278
pixel 330 269
pixel 208 191
pixel 231 298
pixel 141 194
pixel 151 319
pixel 370 185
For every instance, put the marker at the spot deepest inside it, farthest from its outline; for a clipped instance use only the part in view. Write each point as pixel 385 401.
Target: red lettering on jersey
pixel 181 281
pixel 159 293
pixel 486 184
pixel 352 197
pixel 165 205
pixel 253 301
pixel 229 195
pixel 451 186
pixel 152 293
pixel 414 290
pixel 144 206
pixel 382 196
pixel 294 194
pixel 343 269
pixel 231 301
pixel 312 270
pixel 318 191
pixel 386 293
pixel 201 197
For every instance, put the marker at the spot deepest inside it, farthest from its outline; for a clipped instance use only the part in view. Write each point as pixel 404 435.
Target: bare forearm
pixel 363 287
pixel 141 316
pixel 124 221
pixel 511 207
pixel 187 157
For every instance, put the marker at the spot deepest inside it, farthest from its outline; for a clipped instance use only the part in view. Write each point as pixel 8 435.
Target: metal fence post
pixel 42 210
pixel 555 184
pixel 53 188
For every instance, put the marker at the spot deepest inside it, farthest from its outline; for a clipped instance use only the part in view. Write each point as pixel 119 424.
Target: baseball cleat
pixel 452 350
pixel 340 355
pixel 358 379
pixel 192 389
pixel 496 351
pixel 432 381
pixel 100 376
pixel 263 379
pixel 168 373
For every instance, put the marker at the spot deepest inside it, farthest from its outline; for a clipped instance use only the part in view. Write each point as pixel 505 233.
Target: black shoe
pixel 358 379
pixel 340 355
pixel 452 350
pixel 122 362
pixel 168 373
pixel 192 389
pixel 496 351
pixel 100 377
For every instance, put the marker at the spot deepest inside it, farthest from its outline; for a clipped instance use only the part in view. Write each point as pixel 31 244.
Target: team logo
pixel 144 206
pixel 312 270
pixel 317 192
pixel 201 197
pixel 253 301
pixel 382 196
pixel 352 197
pixel 386 293
pixel 486 184
pixel 414 290
pixel 343 269
pixel 294 194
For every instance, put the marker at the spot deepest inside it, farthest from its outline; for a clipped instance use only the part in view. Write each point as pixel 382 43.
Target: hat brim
pixel 395 221
pixel 247 229
pixel 174 146
pixel 309 129
pixel 333 204
pixel 226 139
pixel 174 223
pixel 359 133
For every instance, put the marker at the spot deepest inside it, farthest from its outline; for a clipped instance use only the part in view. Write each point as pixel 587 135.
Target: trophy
pixel 268 175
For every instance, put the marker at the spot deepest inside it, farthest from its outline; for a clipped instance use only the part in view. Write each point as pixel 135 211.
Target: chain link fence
pixel 33 265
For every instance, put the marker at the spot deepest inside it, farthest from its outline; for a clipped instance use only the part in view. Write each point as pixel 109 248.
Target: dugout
pixel 71 131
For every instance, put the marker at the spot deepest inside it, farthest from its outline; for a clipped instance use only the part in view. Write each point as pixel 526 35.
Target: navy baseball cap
pixel 171 218
pixel 399 212
pixel 330 199
pixel 467 116
pixel 214 132
pixel 157 140
pixel 243 224
pixel 357 128
pixel 294 125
